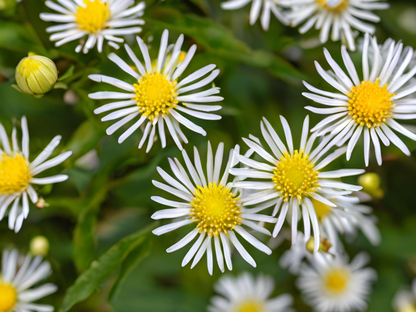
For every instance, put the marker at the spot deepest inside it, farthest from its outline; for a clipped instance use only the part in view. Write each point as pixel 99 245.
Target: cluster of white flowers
pixel 252 194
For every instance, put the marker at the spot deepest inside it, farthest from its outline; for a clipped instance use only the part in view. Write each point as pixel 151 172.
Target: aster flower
pixel 19 274
pixel 98 20
pixel 335 17
pixel 269 6
pixel 332 284
pixel 405 301
pixel 157 95
pixel 247 293
pixel 370 106
pixel 292 180
pixel 18 174
pixel 211 206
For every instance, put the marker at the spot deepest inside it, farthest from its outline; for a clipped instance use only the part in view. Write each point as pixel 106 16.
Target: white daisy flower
pixel 19 274
pixel 211 206
pixel 18 174
pixel 292 258
pixel 292 180
pixel 335 17
pixel 98 20
pixel 345 219
pixel 269 6
pixel 405 301
pixel 369 106
pixel 157 95
pixel 248 294
pixel 332 284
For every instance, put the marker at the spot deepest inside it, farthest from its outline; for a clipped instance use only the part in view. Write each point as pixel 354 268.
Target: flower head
pixel 336 17
pixel 211 206
pixel 36 74
pixel 246 293
pixel 18 275
pixel 157 96
pixel 332 284
pixel 292 180
pixel 269 6
pixel 405 301
pixel 18 174
pixel 367 106
pixel 98 20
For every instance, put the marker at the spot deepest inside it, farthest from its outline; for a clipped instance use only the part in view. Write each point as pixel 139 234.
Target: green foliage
pixel 98 222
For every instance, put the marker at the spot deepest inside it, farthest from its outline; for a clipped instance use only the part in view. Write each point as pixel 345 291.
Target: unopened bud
pixel 36 74
pixel 371 184
pixel 39 246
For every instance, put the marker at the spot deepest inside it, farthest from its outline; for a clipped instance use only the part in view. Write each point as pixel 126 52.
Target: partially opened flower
pixel 367 106
pixel 19 273
pixel 269 7
pixel 18 174
pixel 335 17
pixel 332 284
pixel 98 20
pixel 157 96
pixel 405 301
pixel 292 180
pixel 211 207
pixel 246 293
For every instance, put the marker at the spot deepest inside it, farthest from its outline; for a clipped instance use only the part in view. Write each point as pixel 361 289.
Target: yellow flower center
pixel 251 306
pixel 155 95
pixel 216 209
pixel 295 175
pixel 370 104
pixel 321 209
pixel 8 297
pixel 14 174
pixel 333 5
pixel 94 16
pixel 408 308
pixel 336 280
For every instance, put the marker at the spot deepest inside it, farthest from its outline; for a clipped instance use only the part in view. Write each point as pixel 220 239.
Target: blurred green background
pixel 100 209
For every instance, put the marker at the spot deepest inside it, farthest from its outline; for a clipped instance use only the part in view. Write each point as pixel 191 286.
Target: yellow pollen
pixel 370 104
pixel 336 280
pixel 14 174
pixel 155 95
pixel 251 306
pixel 295 176
pixel 321 209
pixel 216 209
pixel 94 16
pixel 8 297
pixel 333 5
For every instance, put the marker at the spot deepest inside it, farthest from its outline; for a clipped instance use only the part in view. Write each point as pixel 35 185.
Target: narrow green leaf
pixel 101 269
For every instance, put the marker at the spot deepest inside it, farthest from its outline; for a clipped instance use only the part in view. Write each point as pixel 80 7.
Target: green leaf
pixel 221 42
pixel 103 268
pixel 68 73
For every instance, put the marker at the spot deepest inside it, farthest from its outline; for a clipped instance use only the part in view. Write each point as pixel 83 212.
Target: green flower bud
pixel 36 75
pixel 371 184
pixel 39 246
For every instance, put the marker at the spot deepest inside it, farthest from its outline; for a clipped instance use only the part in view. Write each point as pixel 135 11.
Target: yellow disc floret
pixel 336 280
pixel 8 297
pixel 251 306
pixel 216 209
pixel 333 5
pixel 155 95
pixel 408 308
pixel 370 104
pixel 295 176
pixel 321 209
pixel 94 16
pixel 14 174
